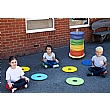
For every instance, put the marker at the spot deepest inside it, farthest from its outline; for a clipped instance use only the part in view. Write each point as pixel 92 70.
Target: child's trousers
pixel 20 83
pixel 50 63
pixel 97 70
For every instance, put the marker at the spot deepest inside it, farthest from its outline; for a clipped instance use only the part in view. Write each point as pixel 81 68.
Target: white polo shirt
pixel 49 57
pixel 99 61
pixel 14 74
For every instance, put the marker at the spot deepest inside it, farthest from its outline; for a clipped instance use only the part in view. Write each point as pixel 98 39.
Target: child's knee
pixel 104 69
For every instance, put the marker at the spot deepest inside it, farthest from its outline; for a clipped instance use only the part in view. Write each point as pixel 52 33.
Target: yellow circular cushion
pixel 25 68
pixel 69 69
pixel 77 47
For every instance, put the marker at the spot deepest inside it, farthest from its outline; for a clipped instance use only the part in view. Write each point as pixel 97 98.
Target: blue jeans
pixel 50 63
pixel 97 70
pixel 20 83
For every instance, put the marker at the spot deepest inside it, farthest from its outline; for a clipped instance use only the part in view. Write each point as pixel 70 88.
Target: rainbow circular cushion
pixel 76 44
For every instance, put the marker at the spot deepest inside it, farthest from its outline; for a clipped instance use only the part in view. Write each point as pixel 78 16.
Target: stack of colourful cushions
pixel 76 44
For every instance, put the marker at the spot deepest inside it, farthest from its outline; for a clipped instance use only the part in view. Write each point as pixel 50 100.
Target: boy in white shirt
pixel 49 58
pixel 15 75
pixel 99 62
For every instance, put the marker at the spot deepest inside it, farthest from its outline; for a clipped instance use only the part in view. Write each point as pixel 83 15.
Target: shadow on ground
pixel 56 77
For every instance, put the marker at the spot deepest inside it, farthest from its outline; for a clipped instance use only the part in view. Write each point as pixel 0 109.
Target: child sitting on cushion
pixel 49 58
pixel 99 63
pixel 15 75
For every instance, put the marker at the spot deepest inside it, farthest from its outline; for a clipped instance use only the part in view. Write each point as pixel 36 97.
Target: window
pixel 39 25
pixel 79 22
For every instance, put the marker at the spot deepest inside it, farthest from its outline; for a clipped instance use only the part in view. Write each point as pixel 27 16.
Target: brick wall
pixel 13 37
pixel 15 41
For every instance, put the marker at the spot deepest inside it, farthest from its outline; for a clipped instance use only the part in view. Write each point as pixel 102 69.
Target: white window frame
pixel 38 30
pixel 80 26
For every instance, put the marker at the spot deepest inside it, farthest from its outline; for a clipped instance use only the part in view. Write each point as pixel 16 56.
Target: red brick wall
pixel 62 32
pixel 57 38
pixel 13 37
pixel 15 41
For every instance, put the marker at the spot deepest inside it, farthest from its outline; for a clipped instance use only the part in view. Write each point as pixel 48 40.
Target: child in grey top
pixel 49 58
pixel 99 63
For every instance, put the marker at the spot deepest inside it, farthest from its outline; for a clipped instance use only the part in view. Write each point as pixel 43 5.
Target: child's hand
pixel 10 85
pixel 93 66
pixel 103 66
pixel 27 79
pixel 57 61
pixel 44 60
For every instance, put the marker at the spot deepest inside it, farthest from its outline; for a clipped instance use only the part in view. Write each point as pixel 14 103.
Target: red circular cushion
pixel 7 86
pixel 76 53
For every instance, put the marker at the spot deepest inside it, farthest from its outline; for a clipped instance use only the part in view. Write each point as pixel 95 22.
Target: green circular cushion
pixel 75 81
pixel 76 42
pixel 43 64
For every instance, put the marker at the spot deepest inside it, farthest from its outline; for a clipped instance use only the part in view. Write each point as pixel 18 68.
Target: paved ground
pixel 56 77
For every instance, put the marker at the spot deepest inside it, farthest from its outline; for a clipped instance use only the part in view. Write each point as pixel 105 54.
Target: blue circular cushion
pixel 76 36
pixel 39 76
pixel 87 62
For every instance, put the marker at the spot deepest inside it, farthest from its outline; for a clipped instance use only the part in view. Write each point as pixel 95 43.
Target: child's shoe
pixel 46 66
pixel 102 75
pixel 13 90
pixel 90 74
pixel 26 86
pixel 55 66
pixel 105 72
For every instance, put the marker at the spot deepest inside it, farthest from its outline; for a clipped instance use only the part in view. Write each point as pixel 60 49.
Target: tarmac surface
pixel 56 81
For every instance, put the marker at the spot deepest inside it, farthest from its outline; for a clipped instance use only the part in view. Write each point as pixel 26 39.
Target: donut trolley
pixel 76 44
